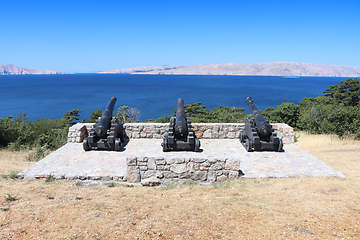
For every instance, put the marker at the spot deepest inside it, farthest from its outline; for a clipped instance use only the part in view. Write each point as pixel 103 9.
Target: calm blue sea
pixel 51 96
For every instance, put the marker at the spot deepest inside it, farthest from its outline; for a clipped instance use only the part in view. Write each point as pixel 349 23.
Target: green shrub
pixel 11 175
pixel 38 153
pixel 199 114
pixel 285 113
pixel 21 133
pixel 10 198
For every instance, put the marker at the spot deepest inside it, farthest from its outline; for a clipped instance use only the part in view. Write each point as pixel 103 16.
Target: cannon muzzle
pixel 262 125
pixel 105 120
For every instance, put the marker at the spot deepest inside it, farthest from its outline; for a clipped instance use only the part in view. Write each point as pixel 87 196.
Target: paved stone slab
pixel 72 162
pixel 293 162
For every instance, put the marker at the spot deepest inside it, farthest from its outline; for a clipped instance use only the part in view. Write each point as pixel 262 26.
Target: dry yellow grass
pixel 286 208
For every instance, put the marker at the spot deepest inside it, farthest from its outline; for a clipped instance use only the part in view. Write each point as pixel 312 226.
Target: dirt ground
pixel 271 208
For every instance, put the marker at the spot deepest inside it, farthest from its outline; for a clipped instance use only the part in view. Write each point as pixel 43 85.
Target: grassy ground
pixel 284 208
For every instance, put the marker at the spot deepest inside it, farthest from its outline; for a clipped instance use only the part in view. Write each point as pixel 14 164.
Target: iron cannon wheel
pixel 86 145
pixel 197 145
pixel 242 136
pixel 117 144
pixel 248 144
pixel 164 145
pixel 281 144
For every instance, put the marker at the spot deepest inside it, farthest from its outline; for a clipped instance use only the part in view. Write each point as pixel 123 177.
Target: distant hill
pixel 145 69
pixel 11 69
pixel 286 69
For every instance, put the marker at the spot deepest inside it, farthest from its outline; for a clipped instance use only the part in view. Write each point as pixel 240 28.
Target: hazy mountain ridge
pixel 286 69
pixel 145 69
pixel 11 69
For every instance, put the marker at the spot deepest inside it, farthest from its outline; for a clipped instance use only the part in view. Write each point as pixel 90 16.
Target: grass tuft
pixel 127 185
pixel 223 185
pixel 10 198
pixel 12 175
pixel 189 183
pixel 169 186
pixel 49 178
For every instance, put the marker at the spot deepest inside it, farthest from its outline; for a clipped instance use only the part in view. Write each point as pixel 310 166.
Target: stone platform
pixel 218 160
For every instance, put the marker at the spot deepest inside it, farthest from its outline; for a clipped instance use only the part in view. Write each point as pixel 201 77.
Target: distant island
pixel 11 69
pixel 146 70
pixel 285 69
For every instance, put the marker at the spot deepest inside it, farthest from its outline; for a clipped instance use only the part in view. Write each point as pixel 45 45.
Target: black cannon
pixel 259 134
pixel 180 135
pixel 106 133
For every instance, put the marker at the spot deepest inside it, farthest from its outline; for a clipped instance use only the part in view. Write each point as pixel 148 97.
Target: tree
pixel 94 116
pixel 72 116
pixel 128 114
pixel 313 111
pixel 164 119
pixel 226 115
pixel 285 113
pixel 199 114
pixel 22 132
pixel 327 115
pixel 347 92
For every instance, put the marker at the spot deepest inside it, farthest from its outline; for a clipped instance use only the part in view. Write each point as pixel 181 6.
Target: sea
pixel 51 96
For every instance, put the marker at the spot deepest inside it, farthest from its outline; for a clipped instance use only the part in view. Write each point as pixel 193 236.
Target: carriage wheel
pixel 86 145
pixel 281 144
pixel 117 144
pixel 197 145
pixel 242 136
pixel 164 144
pixel 248 144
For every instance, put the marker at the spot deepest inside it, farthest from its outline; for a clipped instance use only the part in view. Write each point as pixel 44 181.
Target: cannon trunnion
pixel 259 134
pixel 180 135
pixel 106 133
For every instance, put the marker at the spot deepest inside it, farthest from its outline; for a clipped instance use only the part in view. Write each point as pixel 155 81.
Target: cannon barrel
pixel 262 125
pixel 180 125
pixel 105 120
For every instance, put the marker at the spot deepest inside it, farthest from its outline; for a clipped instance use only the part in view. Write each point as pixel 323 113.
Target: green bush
pixel 285 113
pixel 94 116
pixel 42 134
pixel 323 115
pixel 199 114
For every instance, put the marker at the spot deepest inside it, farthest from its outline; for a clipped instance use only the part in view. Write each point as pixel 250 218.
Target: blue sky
pixel 90 36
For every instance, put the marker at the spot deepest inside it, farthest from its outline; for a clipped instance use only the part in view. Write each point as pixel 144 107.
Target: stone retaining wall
pixel 175 169
pixel 202 130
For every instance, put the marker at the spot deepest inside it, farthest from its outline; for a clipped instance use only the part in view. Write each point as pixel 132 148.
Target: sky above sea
pixel 92 36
